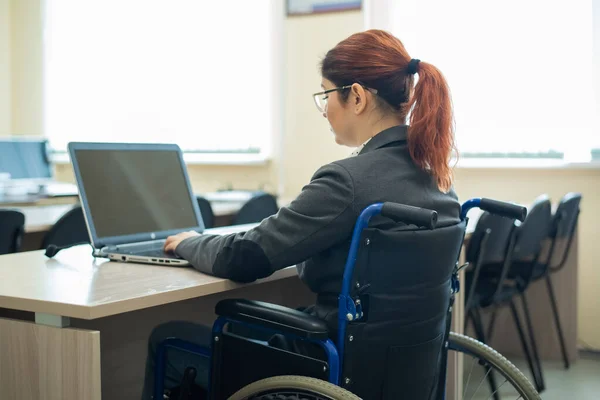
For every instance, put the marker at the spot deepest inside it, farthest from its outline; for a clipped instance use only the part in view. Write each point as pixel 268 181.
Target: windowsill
pixel 260 159
pixel 250 159
pixel 523 163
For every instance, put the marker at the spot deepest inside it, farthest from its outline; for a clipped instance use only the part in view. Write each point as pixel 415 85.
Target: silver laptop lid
pixel 133 192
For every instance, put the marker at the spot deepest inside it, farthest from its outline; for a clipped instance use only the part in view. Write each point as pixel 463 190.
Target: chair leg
pixel 534 350
pixel 561 338
pixel 524 344
pixel 477 325
pixel 492 323
pixel 479 332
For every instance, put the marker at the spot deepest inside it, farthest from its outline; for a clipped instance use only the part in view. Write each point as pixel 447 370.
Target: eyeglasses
pixel 320 98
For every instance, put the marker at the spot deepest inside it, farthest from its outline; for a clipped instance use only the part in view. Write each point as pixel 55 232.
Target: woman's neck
pixel 379 126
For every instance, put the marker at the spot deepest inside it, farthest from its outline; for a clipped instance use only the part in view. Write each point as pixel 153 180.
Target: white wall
pixel 5 80
pixel 596 27
pixel 26 67
pixel 308 141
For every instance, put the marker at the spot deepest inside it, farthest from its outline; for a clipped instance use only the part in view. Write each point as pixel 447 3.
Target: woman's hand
pixel 173 241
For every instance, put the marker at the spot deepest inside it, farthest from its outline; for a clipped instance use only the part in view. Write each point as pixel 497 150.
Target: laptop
pixel 26 160
pixel 133 196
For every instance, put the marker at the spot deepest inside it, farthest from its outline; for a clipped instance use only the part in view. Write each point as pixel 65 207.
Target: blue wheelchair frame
pixel 349 310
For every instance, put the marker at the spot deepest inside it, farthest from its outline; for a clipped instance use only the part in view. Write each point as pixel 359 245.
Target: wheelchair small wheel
pixel 513 383
pixel 289 387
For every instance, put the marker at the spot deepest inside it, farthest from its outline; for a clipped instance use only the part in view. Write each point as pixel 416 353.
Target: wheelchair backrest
pixel 403 281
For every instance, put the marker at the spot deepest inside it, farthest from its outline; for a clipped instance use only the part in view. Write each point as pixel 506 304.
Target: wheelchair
pixel 358 353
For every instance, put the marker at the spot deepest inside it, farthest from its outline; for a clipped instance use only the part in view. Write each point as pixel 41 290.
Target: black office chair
pixel 488 253
pixel 262 205
pixel 564 223
pixel 207 213
pixel 525 260
pixel 12 227
pixel 68 230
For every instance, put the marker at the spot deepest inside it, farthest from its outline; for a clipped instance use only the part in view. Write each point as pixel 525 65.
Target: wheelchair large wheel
pixel 482 365
pixel 289 387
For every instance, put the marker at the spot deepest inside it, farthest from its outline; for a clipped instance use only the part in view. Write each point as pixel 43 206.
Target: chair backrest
pixel 532 232
pixel 12 225
pixel 262 205
pixel 526 263
pixel 564 223
pixel 69 229
pixel 565 216
pixel 488 251
pixel 492 250
pixel 208 217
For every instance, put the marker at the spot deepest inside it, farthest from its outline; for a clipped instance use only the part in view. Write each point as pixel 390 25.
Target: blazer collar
pixel 395 135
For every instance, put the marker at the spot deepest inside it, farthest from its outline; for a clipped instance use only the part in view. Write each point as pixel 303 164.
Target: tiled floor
pixel 580 382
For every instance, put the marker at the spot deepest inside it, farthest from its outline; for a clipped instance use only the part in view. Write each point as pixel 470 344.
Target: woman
pixel 368 91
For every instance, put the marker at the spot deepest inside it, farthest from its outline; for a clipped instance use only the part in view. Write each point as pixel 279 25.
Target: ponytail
pixel 431 130
pixel 379 60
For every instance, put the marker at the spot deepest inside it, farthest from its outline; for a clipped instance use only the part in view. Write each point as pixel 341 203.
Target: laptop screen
pixel 25 159
pixel 129 192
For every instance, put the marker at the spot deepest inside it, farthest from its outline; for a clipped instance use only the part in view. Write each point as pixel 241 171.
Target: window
pixel 202 74
pixel 520 72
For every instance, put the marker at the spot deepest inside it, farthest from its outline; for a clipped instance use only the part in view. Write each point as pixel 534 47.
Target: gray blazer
pixel 313 232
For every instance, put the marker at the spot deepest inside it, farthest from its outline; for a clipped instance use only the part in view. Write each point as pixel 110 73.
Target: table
pixel 76 328
pixel 48 193
pixel 40 218
pixel 42 213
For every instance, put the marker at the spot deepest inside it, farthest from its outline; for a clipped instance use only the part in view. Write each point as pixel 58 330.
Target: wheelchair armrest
pixel 272 316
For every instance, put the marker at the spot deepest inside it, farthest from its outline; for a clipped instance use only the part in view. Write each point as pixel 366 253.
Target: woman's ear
pixel 358 98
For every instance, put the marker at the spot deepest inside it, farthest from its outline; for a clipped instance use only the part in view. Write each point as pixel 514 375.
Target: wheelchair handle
pixel 504 209
pixel 420 217
pixel 496 207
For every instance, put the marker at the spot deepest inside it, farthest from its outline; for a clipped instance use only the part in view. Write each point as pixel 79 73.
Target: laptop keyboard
pixel 155 253
pixel 154 249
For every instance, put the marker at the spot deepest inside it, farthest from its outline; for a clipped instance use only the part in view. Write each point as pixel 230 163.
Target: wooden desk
pixel 42 213
pixel 77 328
pixel 50 193
pixel 41 218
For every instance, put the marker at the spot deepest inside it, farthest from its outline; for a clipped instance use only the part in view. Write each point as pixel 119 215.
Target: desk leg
pixel 57 321
pixel 48 362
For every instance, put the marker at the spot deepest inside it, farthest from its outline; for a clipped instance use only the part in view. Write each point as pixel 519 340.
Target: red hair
pixel 378 60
